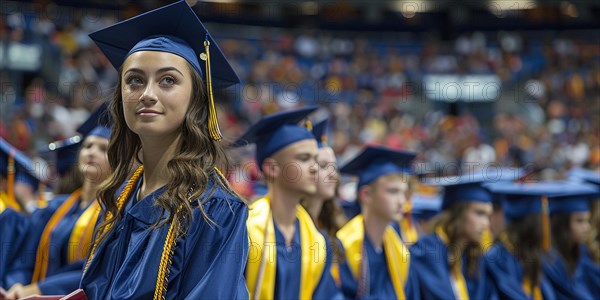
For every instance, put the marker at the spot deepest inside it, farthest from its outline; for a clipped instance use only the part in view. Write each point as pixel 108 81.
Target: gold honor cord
pixel 168 249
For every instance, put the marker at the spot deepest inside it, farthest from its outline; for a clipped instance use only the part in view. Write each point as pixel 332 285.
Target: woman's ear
pixel 270 168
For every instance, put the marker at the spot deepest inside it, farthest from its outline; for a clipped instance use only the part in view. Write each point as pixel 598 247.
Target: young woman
pixel 172 226
pixel 448 261
pixel 570 226
pixel 322 206
pixel 61 234
pixel 514 263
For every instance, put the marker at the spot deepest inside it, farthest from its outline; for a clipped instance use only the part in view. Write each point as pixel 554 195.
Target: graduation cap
pixel 274 132
pixel 97 124
pixel 16 166
pixel 469 187
pixel 66 153
pixel 175 29
pixel 425 206
pixel 573 198
pixel 320 133
pixel 377 161
pixel 522 199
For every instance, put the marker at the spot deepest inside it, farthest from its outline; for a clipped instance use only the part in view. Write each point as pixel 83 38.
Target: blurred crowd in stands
pixel 367 83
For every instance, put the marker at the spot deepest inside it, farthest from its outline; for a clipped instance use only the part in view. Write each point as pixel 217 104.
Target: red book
pixel 76 295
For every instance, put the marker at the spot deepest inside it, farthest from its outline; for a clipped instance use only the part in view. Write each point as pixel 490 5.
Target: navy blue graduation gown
pixel 207 263
pixel 21 269
pixel 380 282
pixel 565 286
pixel 13 230
pixel 289 265
pixel 504 276
pixel 591 273
pixel 429 257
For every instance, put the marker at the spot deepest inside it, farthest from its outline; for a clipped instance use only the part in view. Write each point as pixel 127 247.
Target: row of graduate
pixel 167 225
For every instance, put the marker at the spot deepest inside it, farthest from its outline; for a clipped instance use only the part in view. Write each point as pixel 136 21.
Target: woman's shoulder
pixel 221 202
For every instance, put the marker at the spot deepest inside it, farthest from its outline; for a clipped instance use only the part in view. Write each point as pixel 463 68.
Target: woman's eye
pixel 168 80
pixel 133 80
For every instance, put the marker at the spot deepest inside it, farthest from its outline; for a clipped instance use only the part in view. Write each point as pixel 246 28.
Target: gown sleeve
pixel 216 253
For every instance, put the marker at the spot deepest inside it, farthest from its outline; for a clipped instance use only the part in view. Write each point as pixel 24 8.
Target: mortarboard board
pixel 98 123
pixel 425 206
pixel 376 161
pixel 274 132
pixel 175 29
pixel 584 175
pixel 319 131
pixel 574 197
pixel 469 186
pixel 522 199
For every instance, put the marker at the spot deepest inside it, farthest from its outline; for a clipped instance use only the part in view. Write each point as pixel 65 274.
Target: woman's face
pixel 327 175
pixel 93 160
pixel 579 224
pixel 156 88
pixel 477 220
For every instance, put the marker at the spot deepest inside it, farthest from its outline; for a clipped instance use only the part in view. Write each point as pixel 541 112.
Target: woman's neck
pixel 156 154
pixel 314 207
pixel 88 192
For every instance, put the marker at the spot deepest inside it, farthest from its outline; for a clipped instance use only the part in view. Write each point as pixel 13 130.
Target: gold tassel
pixel 10 180
pixel 308 125
pixel 213 122
pixel 545 224
pixel 41 200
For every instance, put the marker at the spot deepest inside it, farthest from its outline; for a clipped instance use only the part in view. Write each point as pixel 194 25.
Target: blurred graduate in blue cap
pixel 14 222
pixel 289 257
pixel 514 263
pixel 172 226
pixel 448 261
pixel 323 206
pixel 591 252
pixel 426 204
pixel 26 184
pixel 570 226
pixel 60 234
pixel 377 264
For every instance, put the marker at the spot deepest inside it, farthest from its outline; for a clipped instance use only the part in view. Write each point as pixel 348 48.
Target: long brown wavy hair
pixel 452 221
pixel 593 241
pixel 330 220
pixel 189 170
pixel 525 236
pixel 561 240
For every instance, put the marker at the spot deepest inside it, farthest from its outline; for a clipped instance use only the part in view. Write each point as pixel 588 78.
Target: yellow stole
pixel 8 202
pixel 459 283
pixel 81 236
pixel 408 230
pixel 262 256
pixel 397 255
pixel 43 250
pixel 487 240
pixel 533 292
